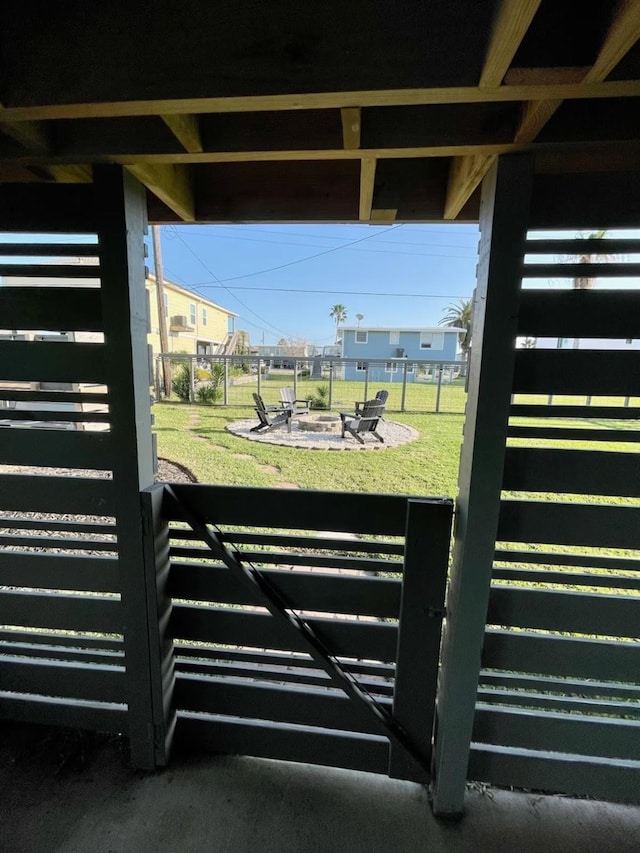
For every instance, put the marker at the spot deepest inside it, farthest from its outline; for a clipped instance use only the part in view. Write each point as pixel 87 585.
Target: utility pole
pixel 162 320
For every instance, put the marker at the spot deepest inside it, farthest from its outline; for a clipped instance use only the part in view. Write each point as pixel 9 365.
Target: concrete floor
pixel 62 795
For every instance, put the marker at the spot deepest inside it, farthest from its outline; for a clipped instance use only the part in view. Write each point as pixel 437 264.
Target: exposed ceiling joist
pixel 172 184
pixel 367 184
pixel 509 28
pixel 186 130
pixel 326 100
pixel 71 174
pixel 623 33
pixel 30 134
pixel 351 127
pixel 382 215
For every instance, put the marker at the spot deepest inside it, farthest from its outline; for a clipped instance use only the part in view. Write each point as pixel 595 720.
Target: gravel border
pixel 394 434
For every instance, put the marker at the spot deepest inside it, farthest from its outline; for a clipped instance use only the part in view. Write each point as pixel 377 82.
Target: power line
pixel 206 285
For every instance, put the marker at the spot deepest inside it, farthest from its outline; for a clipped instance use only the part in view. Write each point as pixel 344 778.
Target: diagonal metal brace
pixel 254 580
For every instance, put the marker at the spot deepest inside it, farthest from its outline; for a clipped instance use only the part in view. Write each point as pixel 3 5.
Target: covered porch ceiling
pixel 305 112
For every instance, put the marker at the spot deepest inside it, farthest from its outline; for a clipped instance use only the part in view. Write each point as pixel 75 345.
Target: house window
pixel 362 337
pixel 391 367
pixel 193 317
pixel 165 299
pixel 411 368
pixel 394 338
pixel 204 316
pixel 431 340
pixel 361 365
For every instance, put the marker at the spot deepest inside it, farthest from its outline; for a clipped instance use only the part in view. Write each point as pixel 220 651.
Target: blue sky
pixel 366 268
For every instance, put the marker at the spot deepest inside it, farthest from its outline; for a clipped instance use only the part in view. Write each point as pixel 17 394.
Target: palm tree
pixel 459 315
pixel 339 314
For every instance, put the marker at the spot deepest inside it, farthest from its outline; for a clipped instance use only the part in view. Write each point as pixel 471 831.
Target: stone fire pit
pixel 318 423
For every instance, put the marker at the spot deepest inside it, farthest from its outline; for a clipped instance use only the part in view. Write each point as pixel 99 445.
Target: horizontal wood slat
pixel 576 247
pixel 288 704
pixel 71 713
pixel 77 272
pixel 76 639
pixel 264 658
pixel 293 509
pixel 596 270
pixel 284 742
pixel 582 372
pixel 58 448
pixel 557 558
pixel 53 361
pixel 70 309
pixel 70 612
pixel 52 396
pixel 568 657
pixel 93 682
pixel 49 250
pixel 603 779
pixel 241 537
pixel 60 653
pixel 56 416
pixel 595 525
pixel 557 732
pixel 572 704
pixel 573 434
pixel 575 612
pixel 370 640
pixel 547 576
pixel 65 495
pixel 284 558
pixel 564 686
pixel 303 590
pixel 525 410
pixel 48 208
pixel 21 523
pixel 578 313
pixel 44 571
pixel 584 472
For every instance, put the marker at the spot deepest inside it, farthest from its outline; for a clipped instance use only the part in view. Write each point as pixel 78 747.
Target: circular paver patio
pixel 394 435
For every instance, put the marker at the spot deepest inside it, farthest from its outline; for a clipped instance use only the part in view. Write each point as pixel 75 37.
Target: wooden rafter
pixel 367 184
pixel 623 33
pixel 172 184
pixel 510 26
pixel 327 100
pixel 32 135
pixel 351 126
pixel 186 130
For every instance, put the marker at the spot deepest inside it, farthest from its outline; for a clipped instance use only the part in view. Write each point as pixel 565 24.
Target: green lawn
pixel 195 436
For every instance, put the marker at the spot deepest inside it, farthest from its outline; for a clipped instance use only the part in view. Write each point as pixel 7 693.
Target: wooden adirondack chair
pixel 298 407
pixel 270 417
pixel 366 421
pixel 381 397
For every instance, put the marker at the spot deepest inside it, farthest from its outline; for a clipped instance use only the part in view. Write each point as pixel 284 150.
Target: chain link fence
pixel 330 383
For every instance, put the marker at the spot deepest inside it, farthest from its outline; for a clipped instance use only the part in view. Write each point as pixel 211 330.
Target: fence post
pixel 404 387
pixel 428 538
pixel 225 387
pixel 330 384
pixel 439 388
pixel 161 652
pixel 366 381
pixel 192 382
pixel 295 379
pixel 259 376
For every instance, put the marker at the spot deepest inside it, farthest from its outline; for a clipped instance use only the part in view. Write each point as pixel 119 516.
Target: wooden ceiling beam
pixel 623 33
pixel 351 127
pixel 172 184
pixel 71 173
pixel 367 185
pixel 186 129
pixel 327 100
pixel 511 23
pixel 33 135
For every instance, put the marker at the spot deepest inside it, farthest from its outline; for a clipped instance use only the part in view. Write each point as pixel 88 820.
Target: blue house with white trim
pixel 398 345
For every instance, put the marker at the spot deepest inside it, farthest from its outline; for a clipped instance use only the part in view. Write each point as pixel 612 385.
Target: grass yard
pixel 195 436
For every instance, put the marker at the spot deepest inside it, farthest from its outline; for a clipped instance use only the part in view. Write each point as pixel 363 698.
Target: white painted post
pixel 504 217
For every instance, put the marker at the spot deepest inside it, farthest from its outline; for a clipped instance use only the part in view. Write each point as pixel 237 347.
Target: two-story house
pixel 195 325
pixel 395 346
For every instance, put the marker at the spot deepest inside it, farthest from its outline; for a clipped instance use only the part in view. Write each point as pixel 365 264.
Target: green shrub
pixel 202 375
pixel 320 399
pixel 208 394
pixel 181 384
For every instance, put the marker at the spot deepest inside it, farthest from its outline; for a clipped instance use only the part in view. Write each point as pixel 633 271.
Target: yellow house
pixel 194 324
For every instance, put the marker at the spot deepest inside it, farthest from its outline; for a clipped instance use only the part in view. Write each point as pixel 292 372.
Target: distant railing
pixel 414 385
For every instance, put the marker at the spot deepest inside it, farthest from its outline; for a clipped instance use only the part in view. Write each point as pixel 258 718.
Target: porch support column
pixel 504 217
pixel 121 216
